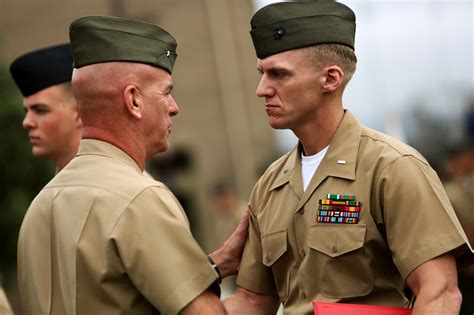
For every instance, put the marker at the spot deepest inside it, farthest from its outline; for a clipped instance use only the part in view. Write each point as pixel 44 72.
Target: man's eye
pixel 275 74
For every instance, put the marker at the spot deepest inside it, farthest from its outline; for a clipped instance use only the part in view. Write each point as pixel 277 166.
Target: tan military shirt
pixel 5 308
pixel 405 220
pixel 102 238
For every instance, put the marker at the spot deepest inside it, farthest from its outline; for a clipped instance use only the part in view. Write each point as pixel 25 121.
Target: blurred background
pixel 414 81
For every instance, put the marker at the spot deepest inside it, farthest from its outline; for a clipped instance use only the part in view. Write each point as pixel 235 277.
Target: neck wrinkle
pixel 134 149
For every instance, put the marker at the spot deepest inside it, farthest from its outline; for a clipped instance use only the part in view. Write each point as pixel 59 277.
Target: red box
pixel 324 308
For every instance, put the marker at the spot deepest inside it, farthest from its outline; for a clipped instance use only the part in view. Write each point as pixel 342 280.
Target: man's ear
pixel 333 78
pixel 131 102
pixel 77 116
pixel 78 120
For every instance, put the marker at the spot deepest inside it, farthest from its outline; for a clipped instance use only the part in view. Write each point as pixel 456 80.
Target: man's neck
pixel 318 135
pixel 127 144
pixel 69 151
pixel 62 161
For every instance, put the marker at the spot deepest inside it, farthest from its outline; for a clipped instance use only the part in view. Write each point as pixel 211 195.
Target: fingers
pixel 244 222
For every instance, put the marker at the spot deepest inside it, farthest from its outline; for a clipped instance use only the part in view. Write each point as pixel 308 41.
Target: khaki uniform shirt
pixel 405 220
pixel 5 308
pixel 102 238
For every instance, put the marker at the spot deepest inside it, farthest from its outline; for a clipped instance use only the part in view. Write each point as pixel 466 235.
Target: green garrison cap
pixel 96 39
pixel 285 26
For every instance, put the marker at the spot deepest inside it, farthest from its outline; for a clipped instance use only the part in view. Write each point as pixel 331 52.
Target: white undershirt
pixel 309 165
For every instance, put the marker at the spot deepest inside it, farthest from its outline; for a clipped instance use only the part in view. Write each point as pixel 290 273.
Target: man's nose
pixel 263 88
pixel 28 121
pixel 173 107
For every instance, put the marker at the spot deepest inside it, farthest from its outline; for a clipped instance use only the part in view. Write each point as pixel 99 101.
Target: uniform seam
pixel 297 18
pixel 128 206
pixel 118 31
pixel 393 148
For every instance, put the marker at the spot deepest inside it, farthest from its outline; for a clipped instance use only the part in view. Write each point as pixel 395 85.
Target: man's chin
pixel 40 153
pixel 277 125
pixel 162 148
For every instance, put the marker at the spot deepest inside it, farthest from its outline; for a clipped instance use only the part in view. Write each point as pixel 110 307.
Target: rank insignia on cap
pixel 279 32
pixel 338 208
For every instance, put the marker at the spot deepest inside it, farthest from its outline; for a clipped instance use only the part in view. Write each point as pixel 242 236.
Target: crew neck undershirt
pixel 309 165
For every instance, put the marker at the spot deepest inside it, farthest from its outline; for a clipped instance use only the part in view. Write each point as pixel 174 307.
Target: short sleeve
pixel 419 220
pixel 159 253
pixel 253 274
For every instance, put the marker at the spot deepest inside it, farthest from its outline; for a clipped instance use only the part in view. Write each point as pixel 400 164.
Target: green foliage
pixel 21 175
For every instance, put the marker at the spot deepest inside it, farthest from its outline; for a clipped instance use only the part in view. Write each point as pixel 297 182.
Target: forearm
pixel 248 302
pixel 227 257
pixel 435 286
pixel 206 303
pixel 430 302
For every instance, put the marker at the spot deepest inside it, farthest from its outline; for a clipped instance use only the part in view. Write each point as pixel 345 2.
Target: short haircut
pixel 341 55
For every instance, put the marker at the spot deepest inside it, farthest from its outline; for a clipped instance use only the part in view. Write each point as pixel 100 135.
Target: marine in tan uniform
pixel 54 126
pixel 373 224
pixel 101 237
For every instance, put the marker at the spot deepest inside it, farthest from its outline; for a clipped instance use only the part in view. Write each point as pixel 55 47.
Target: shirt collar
pixel 341 158
pixel 339 161
pixel 102 148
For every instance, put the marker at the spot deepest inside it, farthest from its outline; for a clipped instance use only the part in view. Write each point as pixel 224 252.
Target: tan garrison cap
pixel 285 26
pixel 96 39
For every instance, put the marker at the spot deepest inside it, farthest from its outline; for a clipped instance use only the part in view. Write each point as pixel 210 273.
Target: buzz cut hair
pixel 340 55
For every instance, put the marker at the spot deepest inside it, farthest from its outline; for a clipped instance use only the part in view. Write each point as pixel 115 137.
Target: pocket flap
pixel 274 245
pixel 335 240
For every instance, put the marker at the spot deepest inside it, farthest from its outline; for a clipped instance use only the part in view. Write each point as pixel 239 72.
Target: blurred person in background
pixel 460 190
pixel 227 211
pixel 102 237
pixel 350 214
pixel 51 117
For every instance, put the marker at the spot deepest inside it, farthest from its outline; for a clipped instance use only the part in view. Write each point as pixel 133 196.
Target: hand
pixel 227 257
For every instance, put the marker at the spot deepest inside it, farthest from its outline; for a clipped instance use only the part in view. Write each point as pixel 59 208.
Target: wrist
pixel 223 264
pixel 216 268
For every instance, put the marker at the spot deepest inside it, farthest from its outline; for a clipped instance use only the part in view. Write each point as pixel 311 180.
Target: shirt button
pixel 334 249
pixel 301 211
pixel 267 259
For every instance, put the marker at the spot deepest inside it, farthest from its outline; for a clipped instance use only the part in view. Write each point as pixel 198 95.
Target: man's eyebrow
pixel 35 105
pixel 274 68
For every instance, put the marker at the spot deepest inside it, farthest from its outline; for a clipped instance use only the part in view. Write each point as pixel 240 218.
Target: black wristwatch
pixel 213 264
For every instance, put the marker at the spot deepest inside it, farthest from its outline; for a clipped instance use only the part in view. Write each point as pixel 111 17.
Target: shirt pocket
pixel 343 265
pixel 274 248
